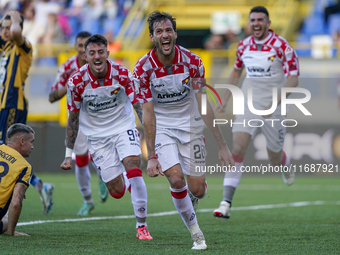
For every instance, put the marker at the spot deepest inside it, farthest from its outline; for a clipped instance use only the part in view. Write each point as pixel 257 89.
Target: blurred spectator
pixel 214 42
pixel 53 33
pixel 112 45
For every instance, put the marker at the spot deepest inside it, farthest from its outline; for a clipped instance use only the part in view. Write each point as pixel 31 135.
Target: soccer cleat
pixel 103 192
pixel 199 241
pixel 223 211
pixel 194 200
pixel 46 195
pixel 143 234
pixel 85 209
pixel 288 177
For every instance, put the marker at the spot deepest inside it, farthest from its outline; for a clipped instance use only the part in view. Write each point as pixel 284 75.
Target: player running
pixel 82 169
pixel 270 62
pixel 100 98
pixel 170 77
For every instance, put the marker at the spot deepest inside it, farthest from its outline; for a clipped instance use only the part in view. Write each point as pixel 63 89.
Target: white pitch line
pixel 241 208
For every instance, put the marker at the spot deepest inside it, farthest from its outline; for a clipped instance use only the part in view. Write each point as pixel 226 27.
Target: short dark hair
pixel 83 34
pixel 259 9
pixel 8 17
pixel 19 128
pixel 97 38
pixel 158 16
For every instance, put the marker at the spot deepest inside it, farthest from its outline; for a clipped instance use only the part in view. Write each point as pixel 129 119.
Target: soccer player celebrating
pixel 15 176
pixel 274 60
pixel 82 170
pixel 169 77
pixel 100 98
pixel 16 59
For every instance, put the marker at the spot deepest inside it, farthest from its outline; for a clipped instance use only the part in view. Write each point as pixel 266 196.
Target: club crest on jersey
pixel 185 82
pixel 272 58
pixel 115 91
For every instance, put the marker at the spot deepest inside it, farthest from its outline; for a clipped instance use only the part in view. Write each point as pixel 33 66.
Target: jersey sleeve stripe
pixel 26 47
pixel 21 177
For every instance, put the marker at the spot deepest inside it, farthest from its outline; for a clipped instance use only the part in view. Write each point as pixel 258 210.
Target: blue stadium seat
pixel 303 52
pixel 47 62
pixel 90 25
pixel 113 25
pixel 314 25
pixel 333 24
pixel 320 5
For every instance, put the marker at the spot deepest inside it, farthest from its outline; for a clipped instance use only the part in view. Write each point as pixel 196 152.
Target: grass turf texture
pixel 310 229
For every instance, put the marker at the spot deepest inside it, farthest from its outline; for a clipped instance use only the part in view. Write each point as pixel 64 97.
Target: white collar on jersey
pixel 265 39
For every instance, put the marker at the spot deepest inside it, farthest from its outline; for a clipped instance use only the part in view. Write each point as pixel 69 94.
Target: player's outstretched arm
pixel 224 153
pixel 233 80
pixel 15 209
pixel 149 119
pixel 71 135
pixel 56 95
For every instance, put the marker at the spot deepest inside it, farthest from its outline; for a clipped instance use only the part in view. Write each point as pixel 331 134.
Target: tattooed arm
pixel 139 111
pixel 56 95
pixel 15 208
pixel 149 120
pixel 71 135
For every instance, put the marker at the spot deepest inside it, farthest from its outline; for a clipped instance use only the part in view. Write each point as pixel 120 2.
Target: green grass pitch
pixel 282 227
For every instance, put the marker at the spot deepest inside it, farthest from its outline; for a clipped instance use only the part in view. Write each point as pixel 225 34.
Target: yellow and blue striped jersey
pixel 14 66
pixel 13 169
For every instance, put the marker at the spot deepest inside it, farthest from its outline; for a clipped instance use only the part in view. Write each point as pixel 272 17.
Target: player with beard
pixel 170 79
pixel 270 63
pixel 82 169
pixel 100 96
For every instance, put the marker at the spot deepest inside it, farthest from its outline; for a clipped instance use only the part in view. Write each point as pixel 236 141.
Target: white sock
pixel 127 182
pixel 83 176
pixel 231 181
pixel 139 199
pixel 184 206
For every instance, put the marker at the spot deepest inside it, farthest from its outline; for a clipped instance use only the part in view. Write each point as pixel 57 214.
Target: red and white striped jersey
pixel 105 105
pixel 267 64
pixel 65 71
pixel 172 89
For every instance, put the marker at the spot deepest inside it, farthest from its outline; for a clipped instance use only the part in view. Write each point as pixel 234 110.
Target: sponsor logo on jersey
pixel 257 69
pixel 272 58
pixel 157 85
pixel 162 96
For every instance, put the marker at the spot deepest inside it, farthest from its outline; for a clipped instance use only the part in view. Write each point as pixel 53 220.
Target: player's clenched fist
pixel 67 164
pixel 154 168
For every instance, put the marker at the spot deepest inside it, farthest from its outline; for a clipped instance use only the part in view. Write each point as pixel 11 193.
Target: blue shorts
pixel 9 117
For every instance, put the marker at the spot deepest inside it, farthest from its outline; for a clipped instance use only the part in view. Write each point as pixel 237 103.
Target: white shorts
pixel 108 153
pixel 80 146
pixel 190 155
pixel 272 130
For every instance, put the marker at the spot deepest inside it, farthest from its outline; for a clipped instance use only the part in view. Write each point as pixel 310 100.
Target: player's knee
pixel 82 160
pixel 239 150
pixel 177 183
pixel 198 191
pixel 117 195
